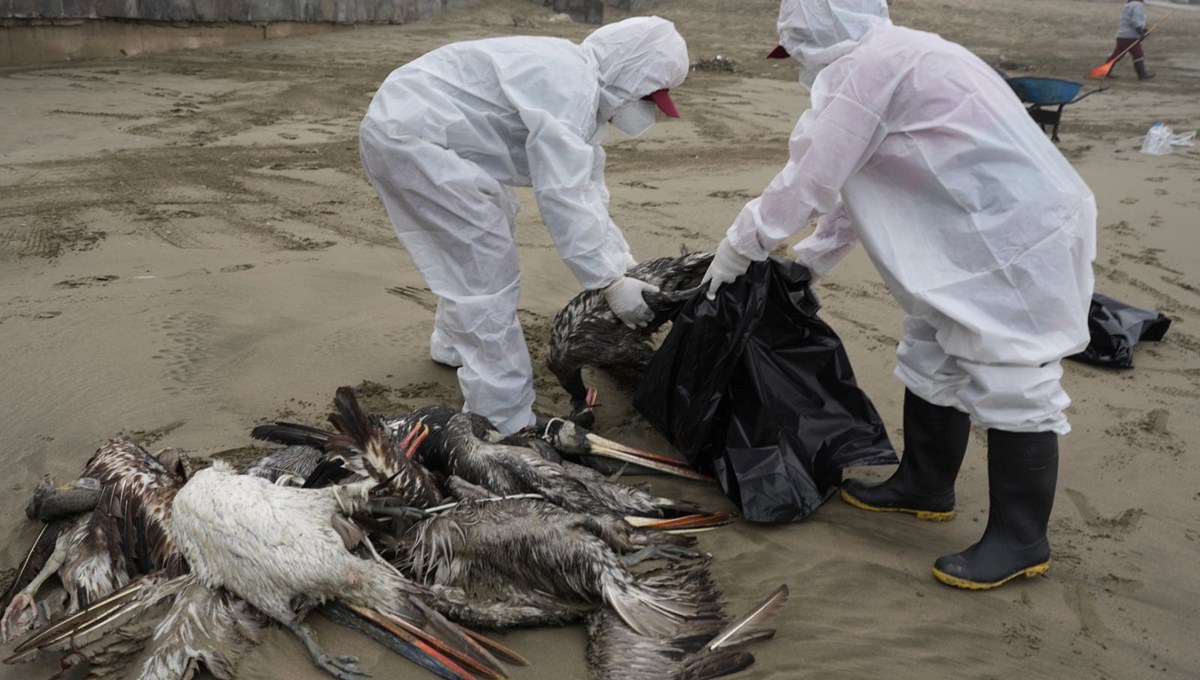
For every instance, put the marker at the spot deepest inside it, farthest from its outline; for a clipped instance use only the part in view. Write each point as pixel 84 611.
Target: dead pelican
pixel 364 447
pixel 124 535
pixel 468 447
pixel 586 332
pixel 562 563
pixel 277 547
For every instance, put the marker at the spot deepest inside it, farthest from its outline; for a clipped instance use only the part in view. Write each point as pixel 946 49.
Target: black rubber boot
pixel 935 439
pixel 1139 65
pixel 1022 473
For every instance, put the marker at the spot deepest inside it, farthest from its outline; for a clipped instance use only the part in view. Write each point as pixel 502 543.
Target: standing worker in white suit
pixel 980 229
pixel 449 132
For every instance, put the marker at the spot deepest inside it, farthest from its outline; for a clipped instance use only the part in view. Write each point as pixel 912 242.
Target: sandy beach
pixel 189 247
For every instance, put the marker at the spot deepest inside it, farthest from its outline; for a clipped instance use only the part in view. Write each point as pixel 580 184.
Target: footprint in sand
pixel 1083 604
pixel 183 348
pixel 422 296
pixel 1023 640
pixel 1120 525
pixel 1120 228
pixel 87 281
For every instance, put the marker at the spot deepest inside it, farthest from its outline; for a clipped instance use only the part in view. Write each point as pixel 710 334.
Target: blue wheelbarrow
pixel 1044 94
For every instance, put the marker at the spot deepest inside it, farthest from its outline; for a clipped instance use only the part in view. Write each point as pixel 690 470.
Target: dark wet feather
pixel 299 460
pixel 517 549
pixel 587 333
pixel 469 448
pixel 616 651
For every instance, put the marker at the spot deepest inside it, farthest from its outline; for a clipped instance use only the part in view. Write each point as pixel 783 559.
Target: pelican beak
pixel 569 437
pixel 411 642
pixel 96 614
pixel 685 523
pixel 474 655
pixel 610 449
pixel 412 441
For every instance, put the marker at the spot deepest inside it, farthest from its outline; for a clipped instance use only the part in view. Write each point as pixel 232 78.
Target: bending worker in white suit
pixel 980 229
pixel 445 136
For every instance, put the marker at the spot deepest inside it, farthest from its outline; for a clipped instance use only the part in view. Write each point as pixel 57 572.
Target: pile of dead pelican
pixel 417 531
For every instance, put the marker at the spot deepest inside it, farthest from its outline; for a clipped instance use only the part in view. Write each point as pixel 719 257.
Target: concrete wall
pixel 222 11
pixel 36 31
pixel 99 38
pixel 633 5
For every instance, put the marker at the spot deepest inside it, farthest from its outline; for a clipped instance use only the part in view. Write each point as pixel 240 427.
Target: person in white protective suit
pixel 448 133
pixel 983 233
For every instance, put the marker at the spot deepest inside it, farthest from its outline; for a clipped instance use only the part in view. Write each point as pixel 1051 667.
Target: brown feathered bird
pixel 586 332
pixel 365 446
pixel 100 549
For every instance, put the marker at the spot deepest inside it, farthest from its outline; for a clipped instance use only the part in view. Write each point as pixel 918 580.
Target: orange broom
pixel 1102 70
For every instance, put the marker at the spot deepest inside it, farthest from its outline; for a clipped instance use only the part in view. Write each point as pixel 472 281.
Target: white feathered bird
pixel 272 545
pixel 280 548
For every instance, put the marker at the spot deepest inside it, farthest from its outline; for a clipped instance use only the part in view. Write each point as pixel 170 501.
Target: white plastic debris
pixel 1158 140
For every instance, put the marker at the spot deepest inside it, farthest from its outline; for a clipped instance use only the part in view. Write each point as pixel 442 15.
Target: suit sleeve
pixel 573 204
pixel 830 143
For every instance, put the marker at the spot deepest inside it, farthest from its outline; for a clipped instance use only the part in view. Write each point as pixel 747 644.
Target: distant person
pixel 448 133
pixel 1131 33
pixel 982 232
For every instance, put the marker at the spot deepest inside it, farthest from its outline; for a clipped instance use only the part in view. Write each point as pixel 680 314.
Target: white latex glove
pixel 624 297
pixel 727 265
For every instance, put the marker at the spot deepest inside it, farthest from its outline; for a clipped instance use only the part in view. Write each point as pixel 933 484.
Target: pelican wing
pixel 134 526
pixel 207 625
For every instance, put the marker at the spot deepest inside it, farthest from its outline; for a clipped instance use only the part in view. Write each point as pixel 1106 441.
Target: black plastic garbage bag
pixel 1115 328
pixel 756 388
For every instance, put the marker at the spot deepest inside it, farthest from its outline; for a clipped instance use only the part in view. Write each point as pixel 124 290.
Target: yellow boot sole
pixel 927 515
pixel 1029 572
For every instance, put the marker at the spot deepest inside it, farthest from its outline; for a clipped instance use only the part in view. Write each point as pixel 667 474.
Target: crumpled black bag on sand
pixel 1115 327
pixel 757 389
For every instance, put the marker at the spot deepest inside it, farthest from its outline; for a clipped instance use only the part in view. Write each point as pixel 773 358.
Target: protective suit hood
pixel 817 32
pixel 635 57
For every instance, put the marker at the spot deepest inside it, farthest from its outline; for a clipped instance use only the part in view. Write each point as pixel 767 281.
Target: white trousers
pixel 457 223
pixel 1002 396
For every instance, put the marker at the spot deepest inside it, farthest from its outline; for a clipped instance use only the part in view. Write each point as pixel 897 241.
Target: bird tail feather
pixel 290 434
pixel 749 626
pixel 712 664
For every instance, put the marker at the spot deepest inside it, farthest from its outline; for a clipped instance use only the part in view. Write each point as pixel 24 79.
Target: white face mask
pixel 635 117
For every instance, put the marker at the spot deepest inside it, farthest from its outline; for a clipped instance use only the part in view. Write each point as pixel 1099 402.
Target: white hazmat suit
pixel 445 136
pixel 979 227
